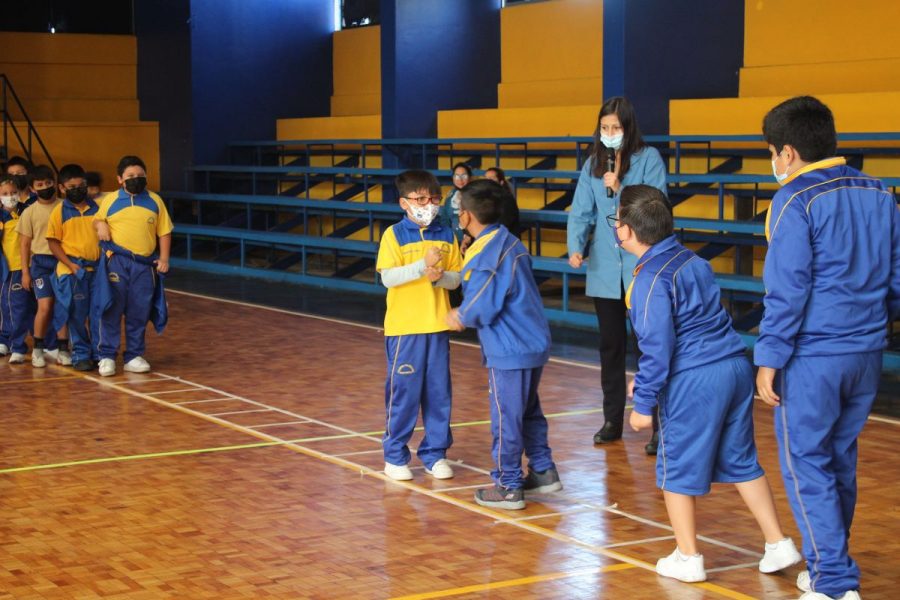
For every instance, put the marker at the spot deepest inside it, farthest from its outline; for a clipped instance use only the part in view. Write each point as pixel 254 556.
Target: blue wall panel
pixel 255 62
pixel 663 49
pixel 164 81
pixel 436 55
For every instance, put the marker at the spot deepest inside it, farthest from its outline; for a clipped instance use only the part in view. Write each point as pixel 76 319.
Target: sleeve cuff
pixel 644 406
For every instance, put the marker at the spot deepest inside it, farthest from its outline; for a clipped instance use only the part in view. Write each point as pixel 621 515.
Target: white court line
pixel 203 401
pixel 561 513
pixel 359 452
pixel 239 412
pixel 173 391
pixel 276 424
pixel 139 381
pixel 460 488
pixel 733 567
pixel 560 361
pixel 661 538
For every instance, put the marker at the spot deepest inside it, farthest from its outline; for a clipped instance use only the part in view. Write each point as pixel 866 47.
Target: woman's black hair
pixel 632 141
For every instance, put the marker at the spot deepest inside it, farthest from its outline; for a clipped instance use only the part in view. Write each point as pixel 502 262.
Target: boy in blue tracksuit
pixel 418 260
pixel 832 277
pixel 16 303
pixel 693 367
pixel 502 302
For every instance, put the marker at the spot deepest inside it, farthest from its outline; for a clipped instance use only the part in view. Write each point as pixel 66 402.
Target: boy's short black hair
pixel 43 173
pixel 70 171
pixel 806 124
pixel 647 211
pixel 409 182
pixel 93 178
pixel 130 161
pixel 7 179
pixel 18 160
pixel 484 199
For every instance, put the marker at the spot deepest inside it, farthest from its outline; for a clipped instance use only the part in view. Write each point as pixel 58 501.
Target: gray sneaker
pixel 542 482
pixel 501 497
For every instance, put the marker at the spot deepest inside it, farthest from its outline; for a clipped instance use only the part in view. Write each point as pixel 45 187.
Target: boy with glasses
pixel 419 261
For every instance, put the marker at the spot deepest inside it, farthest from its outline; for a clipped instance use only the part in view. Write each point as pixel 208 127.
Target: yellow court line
pixel 515 582
pixel 723 591
pixel 367 471
pixel 37 380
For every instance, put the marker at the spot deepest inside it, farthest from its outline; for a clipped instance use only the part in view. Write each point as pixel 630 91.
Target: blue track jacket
pixel 501 300
pixel 832 271
pixel 677 315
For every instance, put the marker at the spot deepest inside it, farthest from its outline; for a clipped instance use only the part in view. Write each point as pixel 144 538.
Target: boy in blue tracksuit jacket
pixel 693 366
pixel 832 277
pixel 501 300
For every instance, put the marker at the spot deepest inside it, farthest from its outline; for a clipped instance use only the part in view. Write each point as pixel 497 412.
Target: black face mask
pixel 76 195
pixel 135 185
pixel 46 193
pixel 21 181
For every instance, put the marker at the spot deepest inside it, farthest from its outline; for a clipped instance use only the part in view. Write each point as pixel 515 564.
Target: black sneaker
pixel 501 497
pixel 609 433
pixel 653 445
pixel 542 482
pixel 84 365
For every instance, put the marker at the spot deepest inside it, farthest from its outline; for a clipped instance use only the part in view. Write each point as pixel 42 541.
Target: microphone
pixel 610 167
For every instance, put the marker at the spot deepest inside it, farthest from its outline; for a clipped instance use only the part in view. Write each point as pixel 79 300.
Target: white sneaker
pixel 440 469
pixel 16 358
pixel 803 581
pixel 4 349
pixel 804 585
pixel 64 358
pixel 778 556
pixel 37 358
pixel 107 367
pixel 397 472
pixel 683 568
pixel 849 595
pixel 137 365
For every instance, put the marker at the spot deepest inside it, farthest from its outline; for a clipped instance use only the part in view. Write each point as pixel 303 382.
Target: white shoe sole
pixel 136 369
pixel 546 489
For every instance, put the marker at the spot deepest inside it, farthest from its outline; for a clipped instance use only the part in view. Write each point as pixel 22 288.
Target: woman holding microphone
pixel 619 158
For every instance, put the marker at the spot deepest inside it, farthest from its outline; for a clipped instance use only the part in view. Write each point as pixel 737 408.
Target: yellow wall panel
pixel 822 78
pixel 99 146
pixel 562 92
pixel 357 72
pixel 518 122
pixel 69 48
pixel 74 109
pixel 54 80
pixel 559 39
pixel 865 112
pixel 367 126
pixel 788 32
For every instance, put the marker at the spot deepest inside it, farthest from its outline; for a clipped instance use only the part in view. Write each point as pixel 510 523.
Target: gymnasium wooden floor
pixel 247 466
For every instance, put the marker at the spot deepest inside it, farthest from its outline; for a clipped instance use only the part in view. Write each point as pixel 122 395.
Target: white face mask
pixel 9 201
pixel 612 141
pixel 779 178
pixel 423 215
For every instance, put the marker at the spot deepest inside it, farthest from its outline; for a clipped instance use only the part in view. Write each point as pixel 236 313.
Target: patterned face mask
pixel 423 215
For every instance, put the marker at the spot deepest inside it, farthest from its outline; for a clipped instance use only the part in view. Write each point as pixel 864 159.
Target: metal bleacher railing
pixel 275 228
pixel 14 121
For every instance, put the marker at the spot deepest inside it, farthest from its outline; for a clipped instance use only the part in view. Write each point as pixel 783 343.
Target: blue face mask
pixel 612 141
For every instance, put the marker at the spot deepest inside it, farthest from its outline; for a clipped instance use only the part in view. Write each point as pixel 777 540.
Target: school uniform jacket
pixel 832 271
pixel 677 315
pixel 501 300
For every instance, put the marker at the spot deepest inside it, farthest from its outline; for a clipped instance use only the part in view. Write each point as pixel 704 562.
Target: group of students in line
pixel 75 261
pixel 832 276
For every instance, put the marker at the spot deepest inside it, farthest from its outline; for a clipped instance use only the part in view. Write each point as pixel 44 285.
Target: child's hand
pixel 453 321
pixel 765 385
pixel 26 279
pixel 639 421
pixel 102 229
pixel 434 273
pixel 432 256
pixel 630 392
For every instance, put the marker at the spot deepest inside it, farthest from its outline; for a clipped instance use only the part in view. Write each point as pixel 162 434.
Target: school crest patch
pixel 114 277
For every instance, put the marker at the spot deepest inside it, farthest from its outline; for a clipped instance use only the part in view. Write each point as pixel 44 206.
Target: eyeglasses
pixel 423 200
pixel 460 176
pixel 613 221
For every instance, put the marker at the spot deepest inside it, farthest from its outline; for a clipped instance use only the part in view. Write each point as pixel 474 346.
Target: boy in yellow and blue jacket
pixel 74 243
pixel 418 260
pixel 16 303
